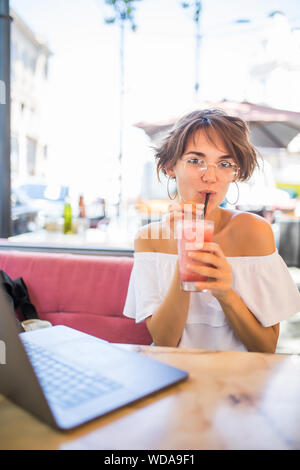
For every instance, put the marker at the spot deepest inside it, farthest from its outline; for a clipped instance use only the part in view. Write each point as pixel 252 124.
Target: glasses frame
pixel 204 170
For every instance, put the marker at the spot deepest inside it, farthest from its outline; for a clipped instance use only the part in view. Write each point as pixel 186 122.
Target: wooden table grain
pixel 231 400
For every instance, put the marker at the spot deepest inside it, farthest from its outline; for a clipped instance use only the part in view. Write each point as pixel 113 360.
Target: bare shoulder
pixel 146 236
pixel 253 234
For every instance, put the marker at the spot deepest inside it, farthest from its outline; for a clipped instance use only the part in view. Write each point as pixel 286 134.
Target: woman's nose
pixel 210 174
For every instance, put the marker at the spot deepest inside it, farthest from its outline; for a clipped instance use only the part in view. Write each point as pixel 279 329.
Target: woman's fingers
pixel 208 285
pixel 216 268
pixel 206 271
pixel 191 207
pixel 174 206
pixel 207 258
pixel 213 248
pixel 184 210
pixel 187 209
pixel 203 256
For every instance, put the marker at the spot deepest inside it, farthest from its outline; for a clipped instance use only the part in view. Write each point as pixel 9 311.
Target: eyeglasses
pixel 224 169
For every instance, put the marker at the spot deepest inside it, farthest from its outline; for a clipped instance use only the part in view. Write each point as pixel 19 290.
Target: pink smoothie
pixel 186 240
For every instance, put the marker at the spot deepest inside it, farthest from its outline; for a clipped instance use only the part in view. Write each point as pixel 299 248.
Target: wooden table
pixel 232 400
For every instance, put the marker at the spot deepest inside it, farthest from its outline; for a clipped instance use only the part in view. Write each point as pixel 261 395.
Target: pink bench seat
pixel 84 292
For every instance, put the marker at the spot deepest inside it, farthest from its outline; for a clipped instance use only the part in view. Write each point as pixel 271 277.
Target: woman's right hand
pixel 184 210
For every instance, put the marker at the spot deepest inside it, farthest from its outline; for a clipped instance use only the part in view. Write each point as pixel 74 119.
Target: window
pixel 32 64
pixel 70 131
pixel 14 155
pixel 31 156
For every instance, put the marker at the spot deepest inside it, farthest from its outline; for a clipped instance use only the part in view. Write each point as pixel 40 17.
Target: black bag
pixel 18 294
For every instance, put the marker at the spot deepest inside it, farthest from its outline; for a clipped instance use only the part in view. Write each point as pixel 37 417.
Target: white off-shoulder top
pixel 263 283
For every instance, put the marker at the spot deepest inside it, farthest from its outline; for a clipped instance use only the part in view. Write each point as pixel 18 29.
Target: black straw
pixel 206 202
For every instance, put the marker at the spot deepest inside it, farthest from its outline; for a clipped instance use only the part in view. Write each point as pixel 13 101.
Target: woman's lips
pixel 203 194
pixel 207 191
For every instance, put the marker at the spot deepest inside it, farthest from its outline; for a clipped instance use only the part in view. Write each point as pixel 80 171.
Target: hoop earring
pixel 168 190
pixel 238 195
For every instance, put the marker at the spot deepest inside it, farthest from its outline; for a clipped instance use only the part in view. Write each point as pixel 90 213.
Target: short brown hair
pixel 232 129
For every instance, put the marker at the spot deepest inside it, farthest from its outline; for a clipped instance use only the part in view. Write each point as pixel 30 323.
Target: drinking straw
pixel 205 204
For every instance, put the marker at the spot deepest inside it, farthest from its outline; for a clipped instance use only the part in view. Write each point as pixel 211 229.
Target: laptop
pixel 67 378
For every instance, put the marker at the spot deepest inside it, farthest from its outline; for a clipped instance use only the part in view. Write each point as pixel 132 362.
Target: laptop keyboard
pixel 63 384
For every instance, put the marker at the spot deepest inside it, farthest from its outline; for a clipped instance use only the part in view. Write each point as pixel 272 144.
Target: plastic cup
pixel 191 235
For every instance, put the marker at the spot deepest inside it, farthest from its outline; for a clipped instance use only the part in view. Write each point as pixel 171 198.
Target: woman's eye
pixel 226 164
pixel 195 161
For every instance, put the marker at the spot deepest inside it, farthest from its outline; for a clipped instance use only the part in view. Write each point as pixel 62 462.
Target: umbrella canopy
pixel 269 127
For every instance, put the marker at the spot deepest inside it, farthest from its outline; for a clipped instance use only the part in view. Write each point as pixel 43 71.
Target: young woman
pixel 249 290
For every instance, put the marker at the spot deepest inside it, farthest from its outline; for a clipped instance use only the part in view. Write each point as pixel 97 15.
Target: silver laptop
pixel 67 378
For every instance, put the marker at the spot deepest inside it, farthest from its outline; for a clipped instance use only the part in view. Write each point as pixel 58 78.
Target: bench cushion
pixel 84 292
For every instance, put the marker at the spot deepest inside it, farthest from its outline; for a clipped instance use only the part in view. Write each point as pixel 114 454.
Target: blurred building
pixel 29 76
pixel 274 69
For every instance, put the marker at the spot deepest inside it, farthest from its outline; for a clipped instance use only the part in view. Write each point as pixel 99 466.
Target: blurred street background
pixel 96 84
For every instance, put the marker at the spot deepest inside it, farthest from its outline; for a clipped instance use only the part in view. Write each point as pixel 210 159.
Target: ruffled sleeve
pixel 266 286
pixel 143 290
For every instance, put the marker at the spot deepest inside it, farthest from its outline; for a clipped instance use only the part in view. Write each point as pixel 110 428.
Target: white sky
pixel 83 98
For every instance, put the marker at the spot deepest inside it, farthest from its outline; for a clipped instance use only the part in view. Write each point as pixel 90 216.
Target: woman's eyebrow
pixel 201 154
